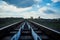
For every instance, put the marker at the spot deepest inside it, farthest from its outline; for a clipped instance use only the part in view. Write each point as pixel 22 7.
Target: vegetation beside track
pixel 51 23
pixel 8 21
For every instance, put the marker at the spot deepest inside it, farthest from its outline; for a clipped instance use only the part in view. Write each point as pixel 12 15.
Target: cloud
pixel 55 1
pixel 51 15
pixel 56 5
pixel 20 3
pixel 35 11
pixel 49 11
pixel 4 6
pixel 29 14
pixel 10 10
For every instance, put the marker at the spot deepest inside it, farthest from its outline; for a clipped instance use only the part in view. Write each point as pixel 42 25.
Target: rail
pixel 50 32
pixel 17 35
pixel 5 30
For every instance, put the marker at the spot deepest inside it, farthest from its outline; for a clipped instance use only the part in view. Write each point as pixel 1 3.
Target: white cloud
pixel 41 13
pixel 12 8
pixel 48 4
pixel 12 11
pixel 38 0
pixel 55 0
pixel 30 14
pixel 45 15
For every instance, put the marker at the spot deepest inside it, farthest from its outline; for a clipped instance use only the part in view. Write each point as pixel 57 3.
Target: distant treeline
pixel 9 19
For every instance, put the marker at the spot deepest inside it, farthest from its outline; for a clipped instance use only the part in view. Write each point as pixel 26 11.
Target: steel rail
pixel 5 30
pixel 50 32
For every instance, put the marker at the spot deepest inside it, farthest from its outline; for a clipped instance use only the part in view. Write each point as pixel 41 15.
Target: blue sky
pixel 48 9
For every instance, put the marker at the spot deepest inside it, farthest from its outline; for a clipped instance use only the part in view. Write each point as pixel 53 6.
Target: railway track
pixel 26 30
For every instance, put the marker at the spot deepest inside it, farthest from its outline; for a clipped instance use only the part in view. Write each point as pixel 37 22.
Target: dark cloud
pixel 20 3
pixel 56 5
pixel 49 12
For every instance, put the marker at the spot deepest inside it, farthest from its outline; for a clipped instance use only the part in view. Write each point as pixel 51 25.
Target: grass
pixel 54 24
pixel 8 21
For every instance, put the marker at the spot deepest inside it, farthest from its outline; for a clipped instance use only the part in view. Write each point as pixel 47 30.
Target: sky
pixel 48 9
